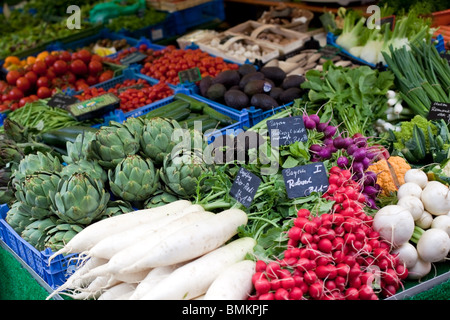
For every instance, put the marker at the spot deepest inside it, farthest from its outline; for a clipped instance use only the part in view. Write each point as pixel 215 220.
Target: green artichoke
pixel 10 152
pixel 17 218
pixel 159 199
pixel 112 144
pixel 158 139
pixel 36 191
pixel 116 208
pixel 36 232
pixel 57 236
pixel 134 179
pixel 181 173
pixel 15 130
pixel 6 191
pixel 80 199
pixel 92 168
pixel 78 149
pixel 32 163
pixel 135 126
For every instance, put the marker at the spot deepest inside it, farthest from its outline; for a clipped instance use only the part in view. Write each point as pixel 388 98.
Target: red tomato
pixel 70 77
pixel 44 92
pixel 91 80
pixel 40 67
pixel 23 84
pixel 3 107
pixel 34 97
pixel 96 57
pixel 82 86
pixel 31 76
pixel 107 75
pixel 12 77
pixel 24 101
pixel 84 55
pixel 50 60
pixel 50 74
pixel 60 67
pixel 95 67
pixel 65 55
pixel 14 106
pixel 42 82
pixel 15 94
pixel 78 67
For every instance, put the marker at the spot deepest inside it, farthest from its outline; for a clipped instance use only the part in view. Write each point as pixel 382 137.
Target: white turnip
pixel 409 189
pixel 419 270
pixel 425 220
pixel 436 198
pixel 442 222
pixel 394 223
pixel 416 176
pixel 433 245
pixel 407 254
pixel 413 204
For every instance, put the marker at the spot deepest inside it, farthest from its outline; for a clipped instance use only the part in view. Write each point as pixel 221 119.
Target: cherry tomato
pixel 84 55
pixel 3 107
pixel 32 77
pixel 15 94
pixel 78 67
pixel 12 76
pixel 60 67
pixel 24 101
pixel 23 84
pixel 107 75
pixel 40 67
pixel 95 67
pixel 44 92
pixel 42 82
pixel 50 60
pixel 65 55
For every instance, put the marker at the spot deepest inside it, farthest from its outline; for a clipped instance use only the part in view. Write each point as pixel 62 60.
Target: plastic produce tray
pixel 55 273
pixel 241 117
pixel 194 16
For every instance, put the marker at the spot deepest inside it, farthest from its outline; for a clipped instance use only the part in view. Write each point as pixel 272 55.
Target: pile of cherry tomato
pixel 132 93
pixel 58 70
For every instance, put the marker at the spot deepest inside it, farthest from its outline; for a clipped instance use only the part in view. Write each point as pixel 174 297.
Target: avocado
pixel 228 78
pixel 275 92
pixel 257 86
pixel 216 92
pixel 234 88
pixel 263 101
pixel 276 74
pixel 290 95
pixel 236 99
pixel 204 85
pixel 246 68
pixel 292 81
pixel 251 76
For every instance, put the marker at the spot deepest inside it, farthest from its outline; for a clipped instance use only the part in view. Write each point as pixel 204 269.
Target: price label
pixel 134 57
pixel 286 131
pixel 301 181
pixel 439 110
pixel 190 75
pixel 244 187
pixel 60 100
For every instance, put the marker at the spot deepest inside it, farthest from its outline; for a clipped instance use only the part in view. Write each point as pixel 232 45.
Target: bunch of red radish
pixel 332 256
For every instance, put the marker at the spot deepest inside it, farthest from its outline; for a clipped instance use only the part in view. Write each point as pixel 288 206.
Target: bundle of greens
pixel 355 98
pixel 422 76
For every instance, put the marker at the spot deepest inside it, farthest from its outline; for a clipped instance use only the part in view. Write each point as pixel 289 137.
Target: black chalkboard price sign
pixel 301 181
pixel 60 100
pixel 244 187
pixel 286 131
pixel 439 110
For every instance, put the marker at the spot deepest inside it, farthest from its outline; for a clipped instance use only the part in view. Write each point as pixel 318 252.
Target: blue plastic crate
pixel 156 32
pixel 241 117
pixel 203 13
pixel 55 273
pixel 331 40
